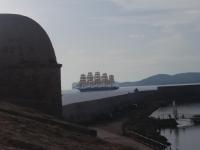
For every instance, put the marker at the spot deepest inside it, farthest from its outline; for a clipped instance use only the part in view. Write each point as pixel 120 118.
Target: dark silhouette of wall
pixel 106 108
pixel 180 93
pixel 91 111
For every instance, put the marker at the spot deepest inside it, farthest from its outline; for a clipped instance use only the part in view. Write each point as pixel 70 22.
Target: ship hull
pixel 98 89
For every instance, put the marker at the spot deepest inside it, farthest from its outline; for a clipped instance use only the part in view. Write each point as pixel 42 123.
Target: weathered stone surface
pixel 22 40
pixel 28 129
pixel 29 72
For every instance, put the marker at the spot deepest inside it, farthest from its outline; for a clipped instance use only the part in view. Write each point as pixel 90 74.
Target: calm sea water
pixel 74 96
pixel 187 135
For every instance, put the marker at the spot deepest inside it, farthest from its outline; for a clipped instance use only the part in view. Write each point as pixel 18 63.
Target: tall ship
pixel 96 82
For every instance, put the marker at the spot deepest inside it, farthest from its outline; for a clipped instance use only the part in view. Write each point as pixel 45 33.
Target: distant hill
pixel 163 79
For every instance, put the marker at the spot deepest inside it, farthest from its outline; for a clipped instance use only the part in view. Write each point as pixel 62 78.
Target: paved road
pixel 119 139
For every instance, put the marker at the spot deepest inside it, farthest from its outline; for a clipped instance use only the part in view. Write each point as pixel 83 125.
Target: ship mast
pixel 97 80
pixel 104 80
pixel 111 80
pixel 90 79
pixel 82 82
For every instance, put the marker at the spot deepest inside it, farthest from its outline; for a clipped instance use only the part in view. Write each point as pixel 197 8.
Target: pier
pixel 195 118
pixel 179 116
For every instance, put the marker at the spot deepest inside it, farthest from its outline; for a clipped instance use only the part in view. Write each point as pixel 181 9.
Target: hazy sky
pixel 131 39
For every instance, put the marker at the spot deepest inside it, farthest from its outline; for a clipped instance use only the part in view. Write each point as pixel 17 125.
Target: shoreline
pixel 136 107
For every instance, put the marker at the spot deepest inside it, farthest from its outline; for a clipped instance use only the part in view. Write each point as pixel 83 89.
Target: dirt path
pixel 119 139
pixel 113 126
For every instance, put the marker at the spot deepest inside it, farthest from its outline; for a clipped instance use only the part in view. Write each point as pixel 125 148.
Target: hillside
pixel 27 129
pixel 164 79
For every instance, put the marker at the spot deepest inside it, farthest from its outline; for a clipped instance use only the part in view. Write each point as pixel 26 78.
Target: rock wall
pixel 107 108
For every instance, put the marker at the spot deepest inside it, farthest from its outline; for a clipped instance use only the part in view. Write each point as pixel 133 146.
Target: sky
pixel 131 39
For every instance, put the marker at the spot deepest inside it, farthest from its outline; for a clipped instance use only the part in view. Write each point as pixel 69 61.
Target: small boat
pixel 196 119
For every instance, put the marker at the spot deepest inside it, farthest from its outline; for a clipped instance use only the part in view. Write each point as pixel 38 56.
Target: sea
pixel 74 96
pixel 187 135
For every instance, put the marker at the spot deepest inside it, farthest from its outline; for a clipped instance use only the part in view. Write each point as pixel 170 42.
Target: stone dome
pixel 23 41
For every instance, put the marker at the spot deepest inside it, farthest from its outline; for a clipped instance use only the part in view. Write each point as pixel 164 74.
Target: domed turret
pixel 29 74
pixel 23 41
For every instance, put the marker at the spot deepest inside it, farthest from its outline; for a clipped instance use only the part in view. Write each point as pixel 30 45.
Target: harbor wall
pixel 108 108
pixel 183 93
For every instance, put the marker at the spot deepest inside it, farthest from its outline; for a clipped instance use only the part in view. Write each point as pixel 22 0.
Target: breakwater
pixel 117 106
